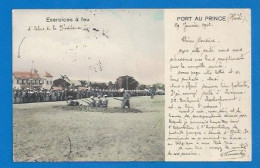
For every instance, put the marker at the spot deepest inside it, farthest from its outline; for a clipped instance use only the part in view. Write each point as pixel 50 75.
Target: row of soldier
pixel 42 95
pixel 100 102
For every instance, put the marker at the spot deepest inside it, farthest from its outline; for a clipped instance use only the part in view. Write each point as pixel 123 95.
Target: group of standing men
pixel 101 102
pixel 43 95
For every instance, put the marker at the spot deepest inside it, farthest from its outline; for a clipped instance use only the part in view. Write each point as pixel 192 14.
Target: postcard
pixel 131 85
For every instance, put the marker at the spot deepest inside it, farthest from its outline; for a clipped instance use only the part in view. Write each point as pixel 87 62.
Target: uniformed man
pixel 92 101
pixel 104 101
pixel 99 101
pixel 126 100
pixel 152 93
pixel 72 103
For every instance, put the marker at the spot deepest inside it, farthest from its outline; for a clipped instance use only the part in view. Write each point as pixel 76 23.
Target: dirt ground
pixel 51 131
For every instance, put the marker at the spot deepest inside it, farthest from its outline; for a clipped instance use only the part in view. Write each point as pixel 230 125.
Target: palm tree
pixel 83 82
pixel 63 78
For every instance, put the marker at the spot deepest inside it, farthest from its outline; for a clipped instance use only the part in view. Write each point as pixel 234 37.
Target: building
pixel 47 80
pixel 31 80
pixel 119 83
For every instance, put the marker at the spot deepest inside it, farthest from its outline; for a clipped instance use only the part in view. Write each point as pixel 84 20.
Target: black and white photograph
pixel 88 85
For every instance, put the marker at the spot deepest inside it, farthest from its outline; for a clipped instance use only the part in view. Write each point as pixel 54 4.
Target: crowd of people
pixel 43 95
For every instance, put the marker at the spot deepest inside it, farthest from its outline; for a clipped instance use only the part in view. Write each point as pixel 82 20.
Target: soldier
pixel 126 100
pixel 31 96
pixel 104 101
pixel 15 93
pixel 152 92
pixel 24 96
pixel 92 102
pixel 71 102
pixel 65 94
pixel 19 96
pixel 99 102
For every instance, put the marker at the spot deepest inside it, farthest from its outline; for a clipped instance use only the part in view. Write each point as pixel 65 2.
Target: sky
pixel 108 43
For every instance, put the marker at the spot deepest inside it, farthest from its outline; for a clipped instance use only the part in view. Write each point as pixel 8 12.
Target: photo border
pixel 6 130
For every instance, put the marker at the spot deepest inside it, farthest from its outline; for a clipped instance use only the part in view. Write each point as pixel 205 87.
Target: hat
pixel 91 97
pixel 105 95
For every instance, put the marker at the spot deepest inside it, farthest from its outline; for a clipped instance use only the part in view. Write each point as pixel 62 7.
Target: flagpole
pixel 126 82
pixel 31 74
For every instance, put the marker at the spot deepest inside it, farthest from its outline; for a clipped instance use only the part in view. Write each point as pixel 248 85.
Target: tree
pixel 64 77
pixel 97 85
pixel 62 81
pixel 159 86
pixel 126 82
pixel 111 85
pixel 83 82
pixel 142 87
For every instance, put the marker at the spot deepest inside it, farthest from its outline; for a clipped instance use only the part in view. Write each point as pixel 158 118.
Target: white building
pixel 22 80
pixel 47 80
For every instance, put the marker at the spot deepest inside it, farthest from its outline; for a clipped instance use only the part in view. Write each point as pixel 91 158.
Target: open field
pixel 50 131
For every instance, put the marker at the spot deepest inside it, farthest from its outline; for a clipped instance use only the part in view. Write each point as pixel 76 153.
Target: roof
pixel 46 74
pixel 25 75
